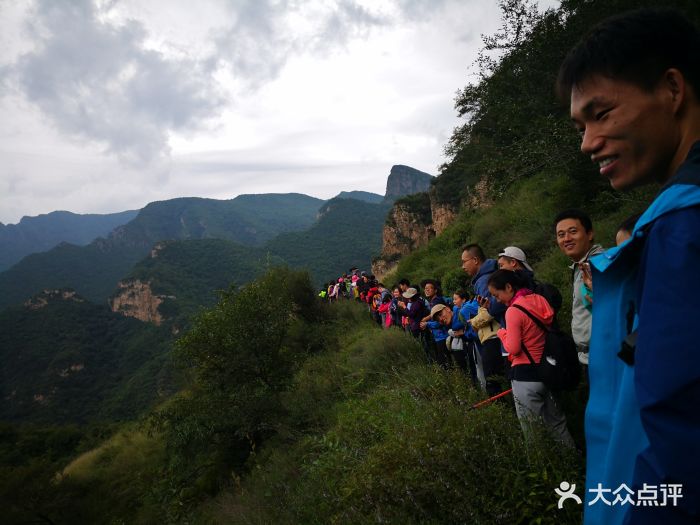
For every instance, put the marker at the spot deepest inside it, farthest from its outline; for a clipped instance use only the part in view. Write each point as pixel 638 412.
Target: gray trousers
pixel 534 401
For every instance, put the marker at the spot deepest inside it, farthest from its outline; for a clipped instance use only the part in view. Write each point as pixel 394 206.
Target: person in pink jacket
pixel 533 400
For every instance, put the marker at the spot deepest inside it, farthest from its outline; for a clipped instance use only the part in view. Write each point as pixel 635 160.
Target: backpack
pixel 549 292
pixel 559 368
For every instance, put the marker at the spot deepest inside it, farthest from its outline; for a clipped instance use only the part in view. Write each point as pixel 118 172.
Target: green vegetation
pixel 94 270
pixel 418 205
pixel 365 196
pixel 192 273
pixel 72 361
pixel 347 233
pixel 247 219
pixel 296 412
pixel 293 411
pixel 518 143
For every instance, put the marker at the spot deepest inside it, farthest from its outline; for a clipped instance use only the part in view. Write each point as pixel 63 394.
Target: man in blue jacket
pixel 634 83
pixel 479 268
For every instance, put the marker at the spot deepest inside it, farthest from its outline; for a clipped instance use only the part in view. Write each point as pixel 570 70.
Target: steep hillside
pixel 515 161
pixel 347 233
pixel 66 360
pixel 43 232
pixel 247 219
pixel 178 277
pixel 94 270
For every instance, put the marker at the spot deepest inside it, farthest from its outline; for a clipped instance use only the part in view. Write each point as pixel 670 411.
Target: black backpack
pixel 549 292
pixel 559 368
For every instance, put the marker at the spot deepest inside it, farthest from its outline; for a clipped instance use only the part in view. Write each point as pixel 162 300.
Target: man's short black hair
pixel 637 47
pixel 573 213
pixel 475 250
pixel 405 282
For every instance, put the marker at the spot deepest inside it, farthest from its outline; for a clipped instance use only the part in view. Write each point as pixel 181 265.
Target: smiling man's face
pixel 629 132
pixel 573 239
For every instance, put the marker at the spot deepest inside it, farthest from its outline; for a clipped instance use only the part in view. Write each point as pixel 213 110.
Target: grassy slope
pixel 370 433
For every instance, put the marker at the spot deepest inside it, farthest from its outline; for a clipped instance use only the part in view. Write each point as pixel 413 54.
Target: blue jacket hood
pixel 487 267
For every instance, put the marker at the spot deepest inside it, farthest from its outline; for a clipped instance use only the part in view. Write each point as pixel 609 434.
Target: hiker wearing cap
pixel 633 85
pixel 513 259
pixel 461 336
pixel 434 335
pixel 414 308
pixel 479 268
pixel 574 233
pixel 524 342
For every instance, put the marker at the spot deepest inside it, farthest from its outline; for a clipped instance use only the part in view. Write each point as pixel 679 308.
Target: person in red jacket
pixel 533 400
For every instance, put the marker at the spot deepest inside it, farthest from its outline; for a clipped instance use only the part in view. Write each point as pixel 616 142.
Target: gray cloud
pixel 264 34
pixel 94 80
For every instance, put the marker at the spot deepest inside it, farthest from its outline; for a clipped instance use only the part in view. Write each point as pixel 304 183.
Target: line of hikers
pixel 499 332
pixel 633 86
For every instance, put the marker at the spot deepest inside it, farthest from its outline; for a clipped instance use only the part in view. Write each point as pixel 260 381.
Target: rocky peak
pixel 136 299
pixel 404 180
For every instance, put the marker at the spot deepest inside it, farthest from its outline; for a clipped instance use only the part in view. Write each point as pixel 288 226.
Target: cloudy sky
pixel 106 105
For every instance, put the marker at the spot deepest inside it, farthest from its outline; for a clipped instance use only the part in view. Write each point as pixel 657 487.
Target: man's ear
pixel 673 83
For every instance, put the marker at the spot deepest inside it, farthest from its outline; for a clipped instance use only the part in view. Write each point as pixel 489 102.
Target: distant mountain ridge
pixel 298 229
pixel 43 232
pixel 94 270
pixel 365 196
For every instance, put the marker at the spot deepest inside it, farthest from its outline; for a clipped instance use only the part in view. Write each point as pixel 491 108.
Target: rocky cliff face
pixel 442 214
pixel 407 229
pixel 136 299
pixel 404 180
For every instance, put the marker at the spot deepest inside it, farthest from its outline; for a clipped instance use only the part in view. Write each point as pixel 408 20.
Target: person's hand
pixel 422 325
pixel 483 301
pixel 586 275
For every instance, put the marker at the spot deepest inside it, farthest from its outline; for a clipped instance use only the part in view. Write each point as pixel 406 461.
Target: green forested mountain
pixel 365 196
pixel 66 360
pixel 247 219
pixel 95 269
pixel 294 412
pixel 191 273
pixel 43 232
pixel 347 233
pixel 92 270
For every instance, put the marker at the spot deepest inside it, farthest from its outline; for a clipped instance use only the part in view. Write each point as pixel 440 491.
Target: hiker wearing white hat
pixel 513 258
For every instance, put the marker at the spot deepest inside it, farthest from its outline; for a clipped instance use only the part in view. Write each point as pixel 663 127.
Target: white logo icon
pixel 566 491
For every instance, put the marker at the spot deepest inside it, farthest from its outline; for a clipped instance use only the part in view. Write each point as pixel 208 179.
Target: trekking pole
pixel 486 401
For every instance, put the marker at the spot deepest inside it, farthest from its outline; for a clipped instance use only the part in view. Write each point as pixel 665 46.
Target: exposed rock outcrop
pixel 442 214
pixel 408 227
pixel 136 299
pixel 404 180
pixel 41 300
pixel 479 196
